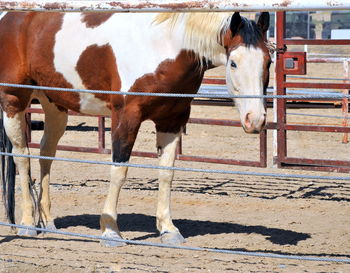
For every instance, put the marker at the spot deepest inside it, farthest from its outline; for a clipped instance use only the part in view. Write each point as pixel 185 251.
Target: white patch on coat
pixel 2 15
pixel 138 44
pixel 91 105
pixel 246 79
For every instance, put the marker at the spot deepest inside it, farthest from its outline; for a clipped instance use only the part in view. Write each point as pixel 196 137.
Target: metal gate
pixel 298 60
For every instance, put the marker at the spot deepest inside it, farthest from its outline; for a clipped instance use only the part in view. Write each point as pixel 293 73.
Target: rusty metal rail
pixel 175 5
pixel 281 158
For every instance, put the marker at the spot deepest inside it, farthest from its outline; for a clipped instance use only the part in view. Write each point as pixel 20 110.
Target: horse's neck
pixel 204 43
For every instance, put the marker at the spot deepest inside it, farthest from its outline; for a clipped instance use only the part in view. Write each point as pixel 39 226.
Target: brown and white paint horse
pixel 127 52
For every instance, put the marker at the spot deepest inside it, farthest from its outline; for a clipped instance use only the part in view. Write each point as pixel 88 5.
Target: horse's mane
pixel 202 31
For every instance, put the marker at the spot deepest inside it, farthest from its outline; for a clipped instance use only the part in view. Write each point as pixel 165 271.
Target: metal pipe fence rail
pixel 262 158
pixel 282 156
pixel 174 5
pixel 189 248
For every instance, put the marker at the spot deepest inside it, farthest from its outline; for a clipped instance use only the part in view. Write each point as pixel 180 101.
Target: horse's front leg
pixel 124 132
pixel 166 144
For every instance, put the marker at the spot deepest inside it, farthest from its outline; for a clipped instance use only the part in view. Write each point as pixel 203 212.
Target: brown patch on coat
pixel 40 59
pixel 13 63
pixel 182 75
pixel 92 19
pixel 26 42
pixel 98 70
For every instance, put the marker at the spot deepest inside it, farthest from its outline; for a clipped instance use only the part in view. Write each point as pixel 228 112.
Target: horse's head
pixel 247 68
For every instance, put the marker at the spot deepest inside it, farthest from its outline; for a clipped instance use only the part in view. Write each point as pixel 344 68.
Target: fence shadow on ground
pixel 189 228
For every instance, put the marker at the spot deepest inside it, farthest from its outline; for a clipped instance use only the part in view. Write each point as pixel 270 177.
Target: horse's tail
pixel 8 173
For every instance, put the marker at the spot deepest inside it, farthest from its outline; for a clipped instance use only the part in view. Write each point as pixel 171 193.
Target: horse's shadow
pixel 188 228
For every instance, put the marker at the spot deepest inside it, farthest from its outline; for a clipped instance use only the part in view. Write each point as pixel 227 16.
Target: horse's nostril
pixel 248 120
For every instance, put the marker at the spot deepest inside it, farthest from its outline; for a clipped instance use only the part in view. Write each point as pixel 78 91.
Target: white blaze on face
pixel 244 76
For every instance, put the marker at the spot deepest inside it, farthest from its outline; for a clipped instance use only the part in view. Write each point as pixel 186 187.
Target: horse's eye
pixel 233 64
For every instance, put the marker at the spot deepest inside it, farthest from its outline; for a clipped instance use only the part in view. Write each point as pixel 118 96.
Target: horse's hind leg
pixel 55 125
pixel 15 129
pixel 166 144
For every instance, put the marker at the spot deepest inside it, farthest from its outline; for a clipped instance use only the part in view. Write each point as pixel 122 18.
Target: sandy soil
pixel 234 212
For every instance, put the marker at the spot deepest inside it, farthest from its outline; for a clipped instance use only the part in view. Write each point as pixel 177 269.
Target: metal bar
pixel 281 90
pixel 263 149
pixel 74 148
pixel 219 160
pixel 220 122
pixel 175 5
pixel 316 85
pixel 28 117
pixel 155 155
pixel 315 168
pixel 345 101
pixel 316 42
pixel 101 133
pixel 179 148
pixel 219 81
pixel 93 150
pixel 312 128
pixel 327 60
pixel 317 162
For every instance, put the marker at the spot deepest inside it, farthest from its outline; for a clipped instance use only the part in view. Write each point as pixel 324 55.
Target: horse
pixel 149 52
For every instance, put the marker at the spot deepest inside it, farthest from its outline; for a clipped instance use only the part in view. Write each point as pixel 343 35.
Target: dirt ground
pixel 289 216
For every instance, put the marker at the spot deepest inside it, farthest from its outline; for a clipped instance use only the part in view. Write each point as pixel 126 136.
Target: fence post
pixel 345 101
pixel 101 134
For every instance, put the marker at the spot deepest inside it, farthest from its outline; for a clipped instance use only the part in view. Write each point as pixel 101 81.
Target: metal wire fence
pixel 190 248
pixel 181 94
pixel 213 171
pixel 197 170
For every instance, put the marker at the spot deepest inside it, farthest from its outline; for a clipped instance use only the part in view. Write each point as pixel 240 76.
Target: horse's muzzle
pixel 253 124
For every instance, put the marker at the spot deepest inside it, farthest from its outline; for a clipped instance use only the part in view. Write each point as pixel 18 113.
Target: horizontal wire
pixel 148 166
pixel 215 250
pixel 179 95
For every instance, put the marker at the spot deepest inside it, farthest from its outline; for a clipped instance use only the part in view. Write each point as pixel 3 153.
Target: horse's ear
pixel 235 24
pixel 264 21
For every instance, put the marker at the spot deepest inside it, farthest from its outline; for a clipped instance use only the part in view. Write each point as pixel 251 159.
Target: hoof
pixel 26 232
pixel 49 226
pixel 111 243
pixel 172 238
